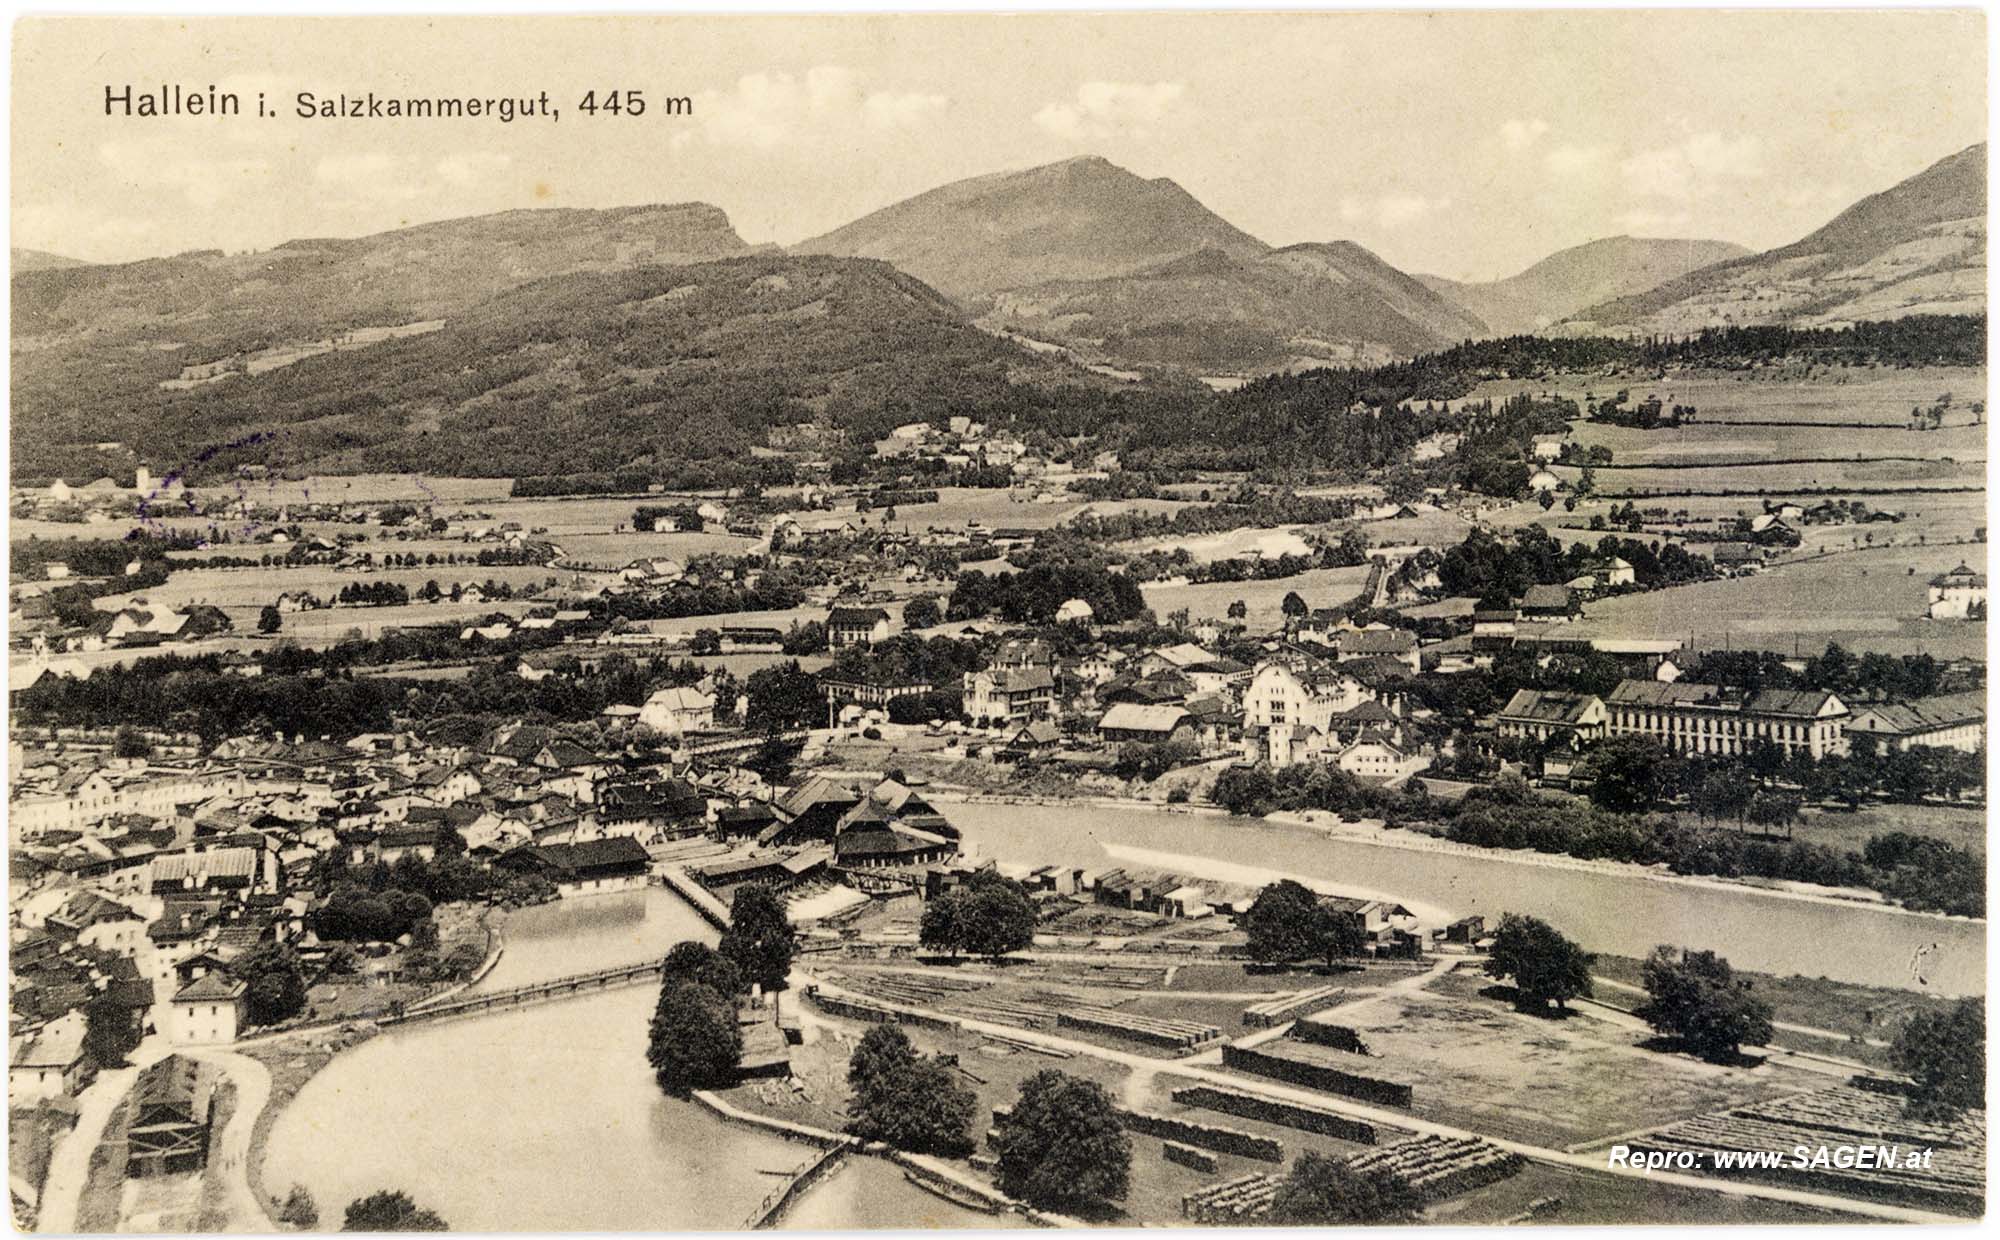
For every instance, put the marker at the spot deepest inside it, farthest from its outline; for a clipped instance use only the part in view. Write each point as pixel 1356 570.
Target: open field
pixel 1476 1062
pixel 1319 587
pixel 1866 600
pixel 1785 479
pixel 1724 443
pixel 1848 396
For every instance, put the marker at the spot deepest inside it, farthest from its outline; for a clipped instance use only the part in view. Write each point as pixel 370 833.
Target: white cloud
pixel 1695 167
pixel 1570 160
pixel 1519 135
pixel 202 180
pixel 1391 210
pixel 768 110
pixel 372 176
pixel 472 167
pixel 1111 110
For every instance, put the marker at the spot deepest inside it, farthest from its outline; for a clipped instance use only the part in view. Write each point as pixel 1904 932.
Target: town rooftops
pixel 1929 714
pixel 1546 707
pixel 1130 717
pixel 856 617
pixel 1793 703
pixel 1547 598
pixel 214 986
pixel 1021 679
pixel 1378 641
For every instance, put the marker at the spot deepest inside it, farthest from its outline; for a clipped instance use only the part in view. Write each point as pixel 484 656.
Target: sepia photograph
pixel 1200 619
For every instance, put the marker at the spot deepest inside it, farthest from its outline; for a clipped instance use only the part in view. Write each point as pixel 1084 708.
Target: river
pixel 547 1118
pixel 1620 912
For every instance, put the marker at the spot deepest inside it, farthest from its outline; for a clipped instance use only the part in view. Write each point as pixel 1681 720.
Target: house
pixel 208 1009
pixel 1738 558
pixel 616 863
pixel 1385 643
pixel 750 639
pixel 1698 718
pixel 1009 695
pixel 1958 595
pixel 172 1109
pixel 678 710
pixel 1149 724
pixel 1075 611
pixel 1541 714
pixel 1547 447
pixel 1033 740
pixel 1379 760
pixel 238 871
pixel 856 626
pixel 1542 481
pixel 1549 604
pixel 1952 721
pixel 49 1062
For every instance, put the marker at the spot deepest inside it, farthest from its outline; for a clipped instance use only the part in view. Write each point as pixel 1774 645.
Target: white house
pixel 48 1063
pixel 677 710
pixel 208 1009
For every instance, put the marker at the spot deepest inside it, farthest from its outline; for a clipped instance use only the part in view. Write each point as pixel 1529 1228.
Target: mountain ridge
pixel 1580 276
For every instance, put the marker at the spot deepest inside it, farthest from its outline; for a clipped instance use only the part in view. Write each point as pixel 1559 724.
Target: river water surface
pixel 1624 912
pixel 547 1117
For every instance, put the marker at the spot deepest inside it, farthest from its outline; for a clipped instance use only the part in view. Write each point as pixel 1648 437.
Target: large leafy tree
pixel 1545 967
pixel 693 1041
pixel 908 1100
pixel 760 940
pixel 1061 1145
pixel 390 1211
pixel 109 1032
pixel 1944 1053
pixel 276 986
pixel 1697 998
pixel 988 916
pixel 1322 1190
pixel 1287 922
pixel 691 961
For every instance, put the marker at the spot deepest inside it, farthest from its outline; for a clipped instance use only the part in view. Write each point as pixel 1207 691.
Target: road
pixel 229 1155
pixel 69 1163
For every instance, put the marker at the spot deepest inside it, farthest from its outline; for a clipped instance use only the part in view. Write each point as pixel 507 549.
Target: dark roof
pixel 856 617
pixel 1798 703
pixel 617 852
pixel 1546 706
pixel 1548 598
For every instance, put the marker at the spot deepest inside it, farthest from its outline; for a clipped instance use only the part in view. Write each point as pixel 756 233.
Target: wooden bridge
pixel 568 987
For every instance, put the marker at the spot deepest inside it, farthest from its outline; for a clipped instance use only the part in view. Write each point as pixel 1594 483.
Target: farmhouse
pixel 1738 558
pixel 208 1009
pixel 1154 724
pixel 49 1062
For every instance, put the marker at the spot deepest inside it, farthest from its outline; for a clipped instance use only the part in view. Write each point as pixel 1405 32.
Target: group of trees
pixel 381 1211
pixel 353 913
pixel 1698 999
pixel 275 986
pixel 1034 594
pixel 693 1040
pixel 1288 922
pixel 914 1102
pixel 988 915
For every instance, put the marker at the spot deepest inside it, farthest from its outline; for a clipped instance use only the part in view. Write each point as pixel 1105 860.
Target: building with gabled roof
pixel 208 1009
pixel 172 1108
pixel 1697 718
pixel 1542 714
pixel 1949 721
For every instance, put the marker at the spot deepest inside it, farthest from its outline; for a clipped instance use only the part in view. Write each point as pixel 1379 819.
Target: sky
pixel 1464 144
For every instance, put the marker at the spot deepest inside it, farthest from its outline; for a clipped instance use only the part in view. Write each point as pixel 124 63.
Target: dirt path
pixel 69 1165
pixel 230 1154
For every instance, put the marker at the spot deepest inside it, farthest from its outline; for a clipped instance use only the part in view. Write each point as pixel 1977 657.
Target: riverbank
pixel 1373 833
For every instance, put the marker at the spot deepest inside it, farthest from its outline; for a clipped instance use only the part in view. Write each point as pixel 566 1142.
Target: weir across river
pixel 534 992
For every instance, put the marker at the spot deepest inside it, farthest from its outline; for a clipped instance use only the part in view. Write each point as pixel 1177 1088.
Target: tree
pixel 693 1041
pixel 129 742
pixel 1322 1190
pixel 922 612
pixel 276 986
pixel 783 696
pixel 389 1211
pixel 299 1210
pixel 1294 607
pixel 1545 966
pixel 760 940
pixel 912 1102
pixel 988 916
pixel 1944 1053
pixel 1239 610
pixel 1062 1146
pixel 1281 923
pixel 110 1033
pixel 1288 922
pixel 270 620
pixel 697 962
pixel 1627 774
pixel 1697 998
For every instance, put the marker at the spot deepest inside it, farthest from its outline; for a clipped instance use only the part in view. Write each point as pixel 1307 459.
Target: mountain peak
pixel 1083 218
